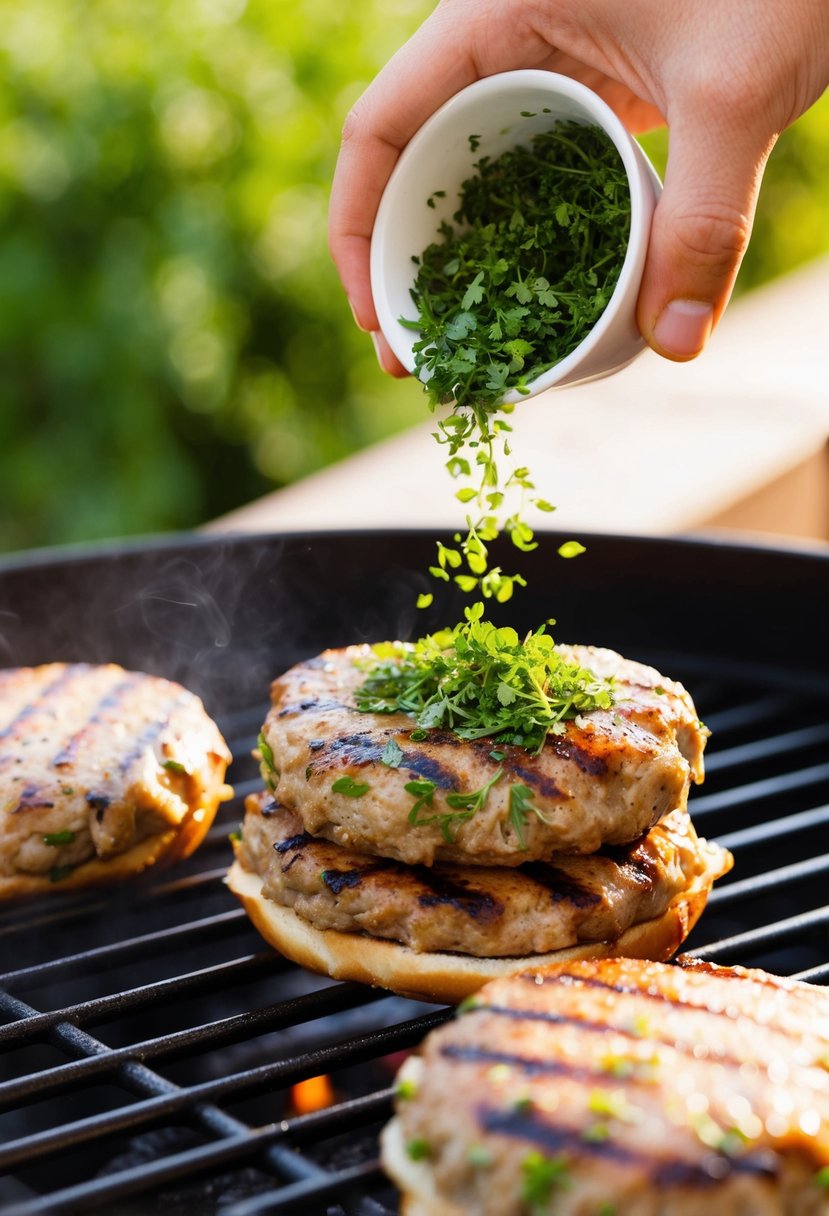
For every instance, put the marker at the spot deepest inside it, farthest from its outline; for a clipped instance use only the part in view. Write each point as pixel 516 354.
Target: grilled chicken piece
pixel 618 1086
pixel 103 772
pixel 606 780
pixel 490 911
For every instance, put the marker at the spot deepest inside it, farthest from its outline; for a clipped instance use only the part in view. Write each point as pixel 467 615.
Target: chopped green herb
pixel 58 873
pixel 350 787
pixel 497 756
pixel 405 1089
pixel 596 1133
pixel 417 736
pixel 424 600
pixel 482 681
pixel 423 792
pixel 520 808
pixel 523 1105
pixel 505 292
pixel 58 838
pixel 270 773
pixel 309 768
pixel 479 1156
pixel 468 1005
pixel 822 1177
pixel 173 766
pixel 571 548
pixel 541 1176
pixel 464 806
pixel 67 789
pixel 606 1209
pixel 419 1149
pixel 235 836
pixel 392 754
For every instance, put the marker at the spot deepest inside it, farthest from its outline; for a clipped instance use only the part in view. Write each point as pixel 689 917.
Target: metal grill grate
pixel 151 1042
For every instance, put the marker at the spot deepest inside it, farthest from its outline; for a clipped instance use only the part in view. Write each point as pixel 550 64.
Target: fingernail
pixel 356 318
pixel 378 349
pixel 683 328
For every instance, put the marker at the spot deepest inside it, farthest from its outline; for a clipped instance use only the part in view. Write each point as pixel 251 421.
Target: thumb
pixel 699 234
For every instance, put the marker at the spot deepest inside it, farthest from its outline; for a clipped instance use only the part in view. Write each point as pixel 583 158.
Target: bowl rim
pixel 641 177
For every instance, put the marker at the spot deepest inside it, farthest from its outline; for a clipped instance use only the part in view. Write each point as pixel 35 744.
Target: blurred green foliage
pixel 173 339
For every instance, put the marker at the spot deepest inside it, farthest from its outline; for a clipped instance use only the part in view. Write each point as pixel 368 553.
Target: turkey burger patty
pixel 440 932
pixel 606 779
pixel 620 1086
pixel 104 771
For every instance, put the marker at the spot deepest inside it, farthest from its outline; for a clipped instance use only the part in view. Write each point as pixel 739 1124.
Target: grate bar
pixel 252 966
pixel 761 749
pixel 302 1195
pixel 732 947
pixel 748 713
pixel 770 879
pixel 212 1034
pixel 124 951
pixel 819 974
pixel 754 791
pixel 277 1075
pixel 232 1149
pixel 761 833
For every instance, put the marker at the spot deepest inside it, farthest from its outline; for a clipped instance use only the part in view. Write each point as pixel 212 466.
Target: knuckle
pixel 715 235
pixel 352 125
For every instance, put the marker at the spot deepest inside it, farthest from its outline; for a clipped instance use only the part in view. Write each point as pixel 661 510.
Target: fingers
pixel 427 71
pixel 700 231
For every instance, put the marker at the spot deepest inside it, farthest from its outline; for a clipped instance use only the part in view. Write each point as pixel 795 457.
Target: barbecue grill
pixel 152 1043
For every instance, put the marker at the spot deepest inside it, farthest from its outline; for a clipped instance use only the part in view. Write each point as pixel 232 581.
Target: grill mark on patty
pixel 111 699
pixel 560 885
pixel 675 1000
pixel 661 1171
pixel 635 862
pixel 440 891
pixel 151 732
pixel 480 905
pixel 40 702
pixel 317 704
pixel 538 781
pixel 589 762
pixel 297 842
pixel 427 767
pixel 690 1048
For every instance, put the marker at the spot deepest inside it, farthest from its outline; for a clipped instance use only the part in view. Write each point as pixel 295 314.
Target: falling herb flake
pixel 173 766
pixel 509 289
pixel 571 548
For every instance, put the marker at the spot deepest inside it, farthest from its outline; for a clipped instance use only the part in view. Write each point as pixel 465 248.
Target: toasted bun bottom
pixel 174 844
pixel 443 977
pixel 413 1178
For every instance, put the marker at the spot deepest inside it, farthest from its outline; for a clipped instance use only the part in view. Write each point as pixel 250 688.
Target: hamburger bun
pixel 443 977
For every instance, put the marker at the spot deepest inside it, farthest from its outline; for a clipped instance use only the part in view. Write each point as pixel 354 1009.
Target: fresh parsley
pixel 520 808
pixel 509 289
pixel 464 805
pixel 270 773
pixel 540 1177
pixel 350 787
pixel 392 754
pixel 481 681
pixel 173 766
pixel 59 838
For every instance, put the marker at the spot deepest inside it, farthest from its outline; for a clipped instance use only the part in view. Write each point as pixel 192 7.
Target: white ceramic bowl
pixel 439 157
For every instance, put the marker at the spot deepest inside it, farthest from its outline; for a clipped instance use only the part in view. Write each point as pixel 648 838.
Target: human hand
pixel 727 79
